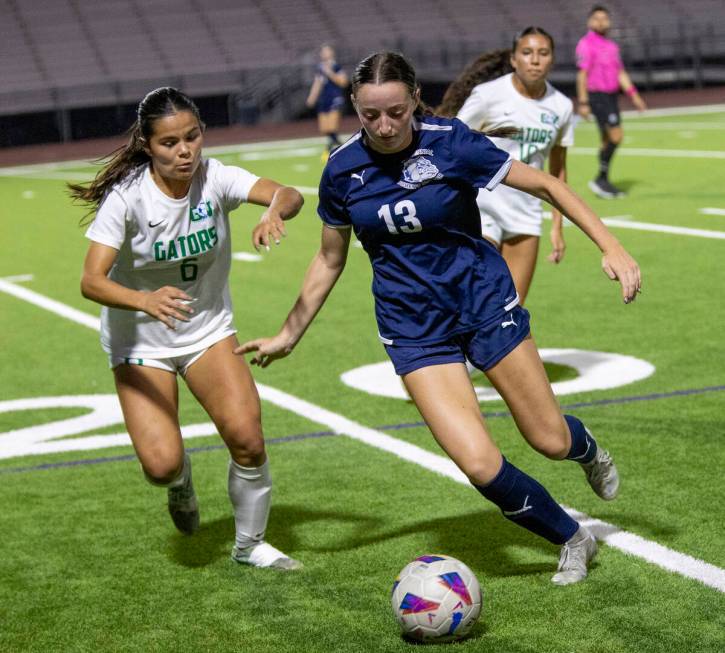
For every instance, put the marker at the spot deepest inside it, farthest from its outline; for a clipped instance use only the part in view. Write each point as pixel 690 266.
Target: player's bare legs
pixel 520 253
pixel 149 400
pixel 448 404
pixel 328 123
pixel 225 388
pixel 446 400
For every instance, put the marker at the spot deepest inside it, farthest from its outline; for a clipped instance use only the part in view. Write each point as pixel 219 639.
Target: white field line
pixel 319 140
pixel 622 540
pixel 709 211
pixel 626 222
pixel 654 152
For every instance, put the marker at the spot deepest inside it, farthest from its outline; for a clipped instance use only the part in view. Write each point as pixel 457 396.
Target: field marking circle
pixel 597 370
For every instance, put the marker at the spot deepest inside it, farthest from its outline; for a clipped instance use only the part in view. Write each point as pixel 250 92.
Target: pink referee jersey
pixel 599 56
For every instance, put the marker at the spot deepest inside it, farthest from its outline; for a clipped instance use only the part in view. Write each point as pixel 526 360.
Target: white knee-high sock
pixel 250 491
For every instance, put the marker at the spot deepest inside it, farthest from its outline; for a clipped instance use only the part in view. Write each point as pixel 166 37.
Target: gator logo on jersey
pixel 202 211
pixel 549 118
pixel 418 171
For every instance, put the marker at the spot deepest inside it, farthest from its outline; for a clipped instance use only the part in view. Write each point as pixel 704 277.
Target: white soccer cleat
pixel 602 475
pixel 575 555
pixel 266 556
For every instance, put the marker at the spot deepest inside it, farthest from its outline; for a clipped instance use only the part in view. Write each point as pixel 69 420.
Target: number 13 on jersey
pixel 405 210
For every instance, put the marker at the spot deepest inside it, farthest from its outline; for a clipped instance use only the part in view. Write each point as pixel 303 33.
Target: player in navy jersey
pixel 326 96
pixel 407 184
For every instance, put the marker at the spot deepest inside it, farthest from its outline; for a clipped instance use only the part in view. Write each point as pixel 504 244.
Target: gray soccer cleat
pixel 602 475
pixel 574 557
pixel 265 555
pixel 606 190
pixel 183 506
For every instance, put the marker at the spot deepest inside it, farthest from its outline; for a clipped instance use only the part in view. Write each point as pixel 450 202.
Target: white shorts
pixel 502 230
pixel 176 364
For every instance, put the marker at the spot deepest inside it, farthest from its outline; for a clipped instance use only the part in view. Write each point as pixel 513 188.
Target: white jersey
pixel 543 123
pixel 162 241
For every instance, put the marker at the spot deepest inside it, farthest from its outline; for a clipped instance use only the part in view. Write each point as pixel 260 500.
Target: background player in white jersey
pixel 507 90
pixel 407 184
pixel 158 262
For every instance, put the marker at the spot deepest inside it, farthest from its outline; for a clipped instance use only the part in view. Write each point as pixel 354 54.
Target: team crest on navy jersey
pixel 418 171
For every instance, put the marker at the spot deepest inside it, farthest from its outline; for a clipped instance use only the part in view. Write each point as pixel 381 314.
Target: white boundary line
pixel 318 140
pixel 629 543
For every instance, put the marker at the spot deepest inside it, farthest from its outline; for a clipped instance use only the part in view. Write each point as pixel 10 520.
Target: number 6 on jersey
pixel 406 210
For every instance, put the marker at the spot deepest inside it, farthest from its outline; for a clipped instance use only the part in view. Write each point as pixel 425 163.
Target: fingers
pixel 246 347
pixel 266 232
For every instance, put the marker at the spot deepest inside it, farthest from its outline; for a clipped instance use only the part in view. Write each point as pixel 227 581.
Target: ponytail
pixel 488 66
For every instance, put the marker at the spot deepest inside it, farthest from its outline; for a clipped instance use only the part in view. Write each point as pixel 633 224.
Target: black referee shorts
pixel 605 107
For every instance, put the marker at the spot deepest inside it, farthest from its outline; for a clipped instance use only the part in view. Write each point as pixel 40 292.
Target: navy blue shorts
pixel 483 348
pixel 327 104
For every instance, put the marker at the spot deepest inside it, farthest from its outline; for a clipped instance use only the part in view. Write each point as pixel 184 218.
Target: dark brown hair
pixel 387 66
pixel 157 104
pixel 490 65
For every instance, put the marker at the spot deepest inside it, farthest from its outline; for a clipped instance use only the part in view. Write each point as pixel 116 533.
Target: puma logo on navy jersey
pixel 509 323
pixel 360 177
pixel 522 509
pixel 418 171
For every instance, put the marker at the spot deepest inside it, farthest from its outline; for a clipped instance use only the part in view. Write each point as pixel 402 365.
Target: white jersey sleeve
pixel 232 182
pixel 474 111
pixel 109 225
pixel 566 128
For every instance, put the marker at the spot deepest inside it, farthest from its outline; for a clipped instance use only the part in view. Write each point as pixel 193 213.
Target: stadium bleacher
pixel 68 54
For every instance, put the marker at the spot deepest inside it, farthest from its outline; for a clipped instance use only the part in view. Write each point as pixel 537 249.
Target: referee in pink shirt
pixel 599 78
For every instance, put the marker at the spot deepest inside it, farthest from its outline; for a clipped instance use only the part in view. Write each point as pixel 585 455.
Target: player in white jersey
pixel 159 262
pixel 535 123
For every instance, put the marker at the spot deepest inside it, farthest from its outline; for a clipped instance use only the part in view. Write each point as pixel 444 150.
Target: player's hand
pixel 270 228
pixel 585 111
pixel 558 246
pixel 267 349
pixel 639 103
pixel 619 265
pixel 168 304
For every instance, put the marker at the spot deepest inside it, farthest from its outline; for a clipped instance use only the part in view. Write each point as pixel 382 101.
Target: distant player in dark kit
pixel 407 184
pixel 158 262
pixel 601 74
pixel 327 96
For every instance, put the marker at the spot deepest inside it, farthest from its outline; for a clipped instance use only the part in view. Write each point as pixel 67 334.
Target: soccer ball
pixel 436 598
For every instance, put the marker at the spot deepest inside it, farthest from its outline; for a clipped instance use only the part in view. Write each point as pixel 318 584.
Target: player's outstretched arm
pixel 616 261
pixel 557 168
pixel 321 276
pixel 282 202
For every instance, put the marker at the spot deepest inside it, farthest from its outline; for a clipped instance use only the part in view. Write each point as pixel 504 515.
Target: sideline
pixel 627 542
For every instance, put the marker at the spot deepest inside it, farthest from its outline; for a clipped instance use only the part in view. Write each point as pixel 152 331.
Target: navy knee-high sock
pixel 583 445
pixel 526 502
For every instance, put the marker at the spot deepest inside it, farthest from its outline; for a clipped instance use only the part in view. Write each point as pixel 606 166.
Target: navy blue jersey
pixel 415 213
pixel 330 93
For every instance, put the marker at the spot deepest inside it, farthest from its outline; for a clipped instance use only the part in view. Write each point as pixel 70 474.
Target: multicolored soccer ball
pixel 436 598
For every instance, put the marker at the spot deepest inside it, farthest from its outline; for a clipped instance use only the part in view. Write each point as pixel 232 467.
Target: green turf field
pixel 91 562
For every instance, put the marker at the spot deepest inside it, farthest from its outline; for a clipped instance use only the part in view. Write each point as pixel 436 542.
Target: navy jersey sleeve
pixel 331 207
pixel 478 161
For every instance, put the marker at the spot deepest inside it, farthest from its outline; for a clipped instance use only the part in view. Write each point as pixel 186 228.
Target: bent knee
pixel 554 444
pixel 162 471
pixel 245 442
